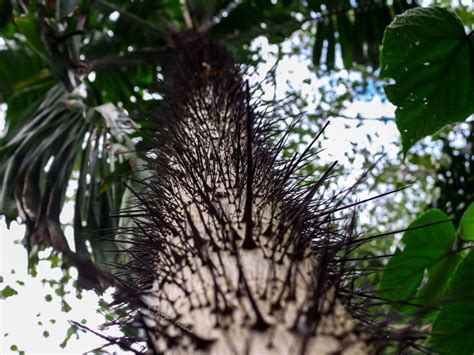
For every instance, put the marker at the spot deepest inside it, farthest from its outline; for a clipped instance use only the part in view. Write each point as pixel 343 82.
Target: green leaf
pixel 24 77
pixel 55 261
pixel 453 329
pixel 428 54
pixel 48 298
pixel 65 307
pixel 7 292
pixel 428 249
pixel 70 332
pixel 30 28
pixel 439 276
pixel 466 226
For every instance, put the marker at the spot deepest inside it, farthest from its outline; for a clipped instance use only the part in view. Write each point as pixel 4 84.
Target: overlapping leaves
pixel 428 248
pixel 433 277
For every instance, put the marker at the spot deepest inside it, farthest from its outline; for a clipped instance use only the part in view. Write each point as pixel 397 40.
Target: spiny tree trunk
pixel 232 254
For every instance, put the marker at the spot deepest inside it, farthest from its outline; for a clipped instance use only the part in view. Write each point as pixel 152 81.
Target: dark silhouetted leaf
pixel 331 45
pixel 319 42
pixel 346 38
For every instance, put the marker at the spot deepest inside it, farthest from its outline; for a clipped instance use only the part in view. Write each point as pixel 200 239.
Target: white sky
pixel 19 313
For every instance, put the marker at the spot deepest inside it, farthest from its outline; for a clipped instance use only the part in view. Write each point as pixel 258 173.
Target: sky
pixel 20 314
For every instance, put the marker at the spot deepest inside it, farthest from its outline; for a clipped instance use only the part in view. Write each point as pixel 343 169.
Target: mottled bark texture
pixel 232 252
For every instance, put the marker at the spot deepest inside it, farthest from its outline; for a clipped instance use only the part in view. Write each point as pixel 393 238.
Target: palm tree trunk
pixel 231 254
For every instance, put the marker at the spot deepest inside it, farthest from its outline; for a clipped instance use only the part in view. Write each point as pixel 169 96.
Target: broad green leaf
pixel 466 226
pixel 439 276
pixel 428 249
pixel 8 292
pixel 401 277
pixel 428 54
pixel 453 329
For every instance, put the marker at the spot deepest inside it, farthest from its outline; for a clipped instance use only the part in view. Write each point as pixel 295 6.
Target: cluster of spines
pixel 215 156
